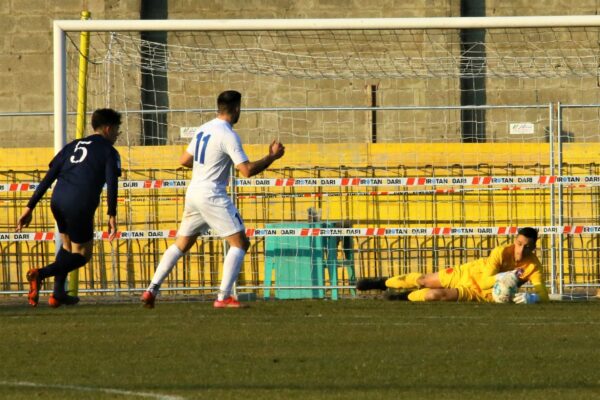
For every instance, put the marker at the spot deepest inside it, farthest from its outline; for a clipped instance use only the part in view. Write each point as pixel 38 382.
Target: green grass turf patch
pixel 309 349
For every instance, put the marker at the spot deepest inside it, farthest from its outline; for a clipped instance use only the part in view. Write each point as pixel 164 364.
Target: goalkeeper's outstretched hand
pixel 526 298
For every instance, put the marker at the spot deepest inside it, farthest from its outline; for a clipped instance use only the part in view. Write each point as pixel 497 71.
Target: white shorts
pixel 206 209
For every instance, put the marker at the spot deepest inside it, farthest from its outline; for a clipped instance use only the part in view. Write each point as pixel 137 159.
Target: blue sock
pixel 65 262
pixel 59 284
pixel 56 267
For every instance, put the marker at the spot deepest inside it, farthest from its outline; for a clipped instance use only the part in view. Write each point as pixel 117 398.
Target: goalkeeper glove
pixel 526 298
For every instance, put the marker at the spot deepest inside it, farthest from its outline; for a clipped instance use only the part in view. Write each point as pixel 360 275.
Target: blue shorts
pixel 76 223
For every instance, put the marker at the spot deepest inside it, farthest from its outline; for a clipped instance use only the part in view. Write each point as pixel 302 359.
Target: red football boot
pixel 35 283
pixel 148 299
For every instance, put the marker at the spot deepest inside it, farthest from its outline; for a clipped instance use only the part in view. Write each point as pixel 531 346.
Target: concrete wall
pixel 26 60
pixel 26 48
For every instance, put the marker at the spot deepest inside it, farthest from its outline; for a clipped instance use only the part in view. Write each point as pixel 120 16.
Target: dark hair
pixel 105 117
pixel 228 101
pixel 530 233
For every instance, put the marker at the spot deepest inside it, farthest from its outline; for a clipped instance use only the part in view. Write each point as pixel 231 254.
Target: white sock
pixel 231 269
pixel 167 262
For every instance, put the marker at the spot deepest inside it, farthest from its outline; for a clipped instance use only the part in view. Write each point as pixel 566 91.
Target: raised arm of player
pixel 251 168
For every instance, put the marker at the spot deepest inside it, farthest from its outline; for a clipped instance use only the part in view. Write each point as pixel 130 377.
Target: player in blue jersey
pixel 211 153
pixel 80 170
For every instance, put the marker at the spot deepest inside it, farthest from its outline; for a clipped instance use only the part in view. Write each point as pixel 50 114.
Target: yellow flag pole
pixel 84 48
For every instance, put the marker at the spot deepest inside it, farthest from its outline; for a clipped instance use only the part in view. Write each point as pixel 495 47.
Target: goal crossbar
pixel 329 23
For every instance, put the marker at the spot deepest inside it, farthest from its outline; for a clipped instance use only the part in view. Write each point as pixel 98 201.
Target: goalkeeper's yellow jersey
pixel 502 259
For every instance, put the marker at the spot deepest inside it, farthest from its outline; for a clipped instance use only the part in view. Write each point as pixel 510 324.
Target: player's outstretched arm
pixel 540 295
pixel 537 280
pixel 251 168
pixel 24 219
pixel 43 186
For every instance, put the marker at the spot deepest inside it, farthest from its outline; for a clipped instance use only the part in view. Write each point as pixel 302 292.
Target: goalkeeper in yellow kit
pixel 474 280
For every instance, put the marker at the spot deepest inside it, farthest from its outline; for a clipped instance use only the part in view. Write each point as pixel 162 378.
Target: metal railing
pixel 128 265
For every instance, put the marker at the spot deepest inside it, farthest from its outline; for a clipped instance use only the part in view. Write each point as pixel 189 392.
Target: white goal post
pixel 423 144
pixel 60 27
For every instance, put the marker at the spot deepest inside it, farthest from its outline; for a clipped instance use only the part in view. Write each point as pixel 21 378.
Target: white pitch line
pixel 532 323
pixel 92 389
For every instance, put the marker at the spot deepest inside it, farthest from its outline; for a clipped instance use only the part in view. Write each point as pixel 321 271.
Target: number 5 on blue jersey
pixel 199 156
pixel 80 147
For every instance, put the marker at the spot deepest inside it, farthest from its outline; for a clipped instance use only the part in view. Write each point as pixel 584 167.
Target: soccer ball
pixel 503 292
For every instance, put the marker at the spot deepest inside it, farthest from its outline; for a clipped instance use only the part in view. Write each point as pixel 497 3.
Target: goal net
pixel 407 149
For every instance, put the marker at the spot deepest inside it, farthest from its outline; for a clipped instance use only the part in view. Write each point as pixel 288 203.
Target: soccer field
pixel 360 349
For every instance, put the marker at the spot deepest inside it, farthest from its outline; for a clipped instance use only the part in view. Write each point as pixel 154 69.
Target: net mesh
pixel 370 105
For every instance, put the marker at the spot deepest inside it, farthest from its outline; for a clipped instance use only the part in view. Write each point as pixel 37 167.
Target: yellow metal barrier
pixel 131 263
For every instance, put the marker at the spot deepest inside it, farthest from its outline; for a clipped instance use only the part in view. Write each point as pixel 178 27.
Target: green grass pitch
pixel 304 349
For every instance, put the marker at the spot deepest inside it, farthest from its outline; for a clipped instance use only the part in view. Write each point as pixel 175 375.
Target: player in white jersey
pixel 212 151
